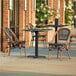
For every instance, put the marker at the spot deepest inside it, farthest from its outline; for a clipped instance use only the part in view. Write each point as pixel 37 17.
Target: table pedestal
pixel 36 44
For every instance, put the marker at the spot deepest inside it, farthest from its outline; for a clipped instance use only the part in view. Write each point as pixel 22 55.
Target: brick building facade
pixel 17 18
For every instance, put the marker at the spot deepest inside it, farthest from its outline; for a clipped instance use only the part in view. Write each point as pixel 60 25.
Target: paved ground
pixel 15 65
pixel 14 73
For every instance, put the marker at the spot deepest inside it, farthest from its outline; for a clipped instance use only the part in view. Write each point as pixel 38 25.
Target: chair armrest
pixel 14 35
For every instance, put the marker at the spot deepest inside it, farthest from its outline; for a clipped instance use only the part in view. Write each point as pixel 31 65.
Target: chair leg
pixel 20 52
pixel 61 54
pixel 68 53
pixel 0 51
pixel 49 54
pixel 57 53
pixel 31 44
pixel 5 52
pixel 25 51
pixel 44 44
pixel 70 45
pixel 8 51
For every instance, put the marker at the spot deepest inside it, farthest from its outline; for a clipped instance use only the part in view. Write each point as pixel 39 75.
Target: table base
pixel 36 56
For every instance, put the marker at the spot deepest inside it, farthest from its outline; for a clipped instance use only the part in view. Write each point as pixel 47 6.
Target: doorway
pixel 14 17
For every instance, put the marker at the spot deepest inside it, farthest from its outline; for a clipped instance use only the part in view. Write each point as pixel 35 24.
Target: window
pixel 11 4
pixel 25 4
pixel 34 4
pixel 58 5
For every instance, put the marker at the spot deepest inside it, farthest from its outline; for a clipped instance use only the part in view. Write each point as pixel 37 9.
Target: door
pixel 14 17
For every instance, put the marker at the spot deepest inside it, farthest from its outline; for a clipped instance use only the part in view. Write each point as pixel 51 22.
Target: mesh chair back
pixel 63 34
pixel 8 33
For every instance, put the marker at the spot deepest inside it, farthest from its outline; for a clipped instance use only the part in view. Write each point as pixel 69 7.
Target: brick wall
pixel 50 4
pixel 21 2
pixel 51 32
pixel 62 15
pixel 5 21
pixel 27 20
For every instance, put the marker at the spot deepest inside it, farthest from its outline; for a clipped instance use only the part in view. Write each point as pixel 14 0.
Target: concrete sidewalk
pixel 45 66
pixel 16 73
pixel 24 66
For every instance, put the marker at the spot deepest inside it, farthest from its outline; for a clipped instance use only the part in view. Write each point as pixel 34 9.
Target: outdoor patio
pixel 16 65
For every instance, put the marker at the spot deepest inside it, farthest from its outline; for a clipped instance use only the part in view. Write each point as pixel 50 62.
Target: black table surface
pixel 49 25
pixel 37 29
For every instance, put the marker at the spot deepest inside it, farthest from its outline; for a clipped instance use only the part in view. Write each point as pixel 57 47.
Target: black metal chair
pixel 13 42
pixel 63 36
pixel 42 37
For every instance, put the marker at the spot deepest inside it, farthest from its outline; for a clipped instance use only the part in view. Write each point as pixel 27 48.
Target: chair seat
pixel 55 46
pixel 21 42
pixel 17 42
pixel 42 40
pixel 12 47
pixel 41 35
pixel 58 44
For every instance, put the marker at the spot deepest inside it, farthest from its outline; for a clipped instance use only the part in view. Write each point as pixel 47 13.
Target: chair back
pixel 31 26
pixel 63 34
pixel 9 34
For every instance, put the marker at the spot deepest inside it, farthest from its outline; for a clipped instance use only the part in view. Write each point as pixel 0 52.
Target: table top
pixel 37 29
pixel 50 25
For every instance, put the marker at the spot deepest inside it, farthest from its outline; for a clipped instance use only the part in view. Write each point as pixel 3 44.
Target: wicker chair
pixel 72 40
pixel 42 37
pixel 13 42
pixel 63 36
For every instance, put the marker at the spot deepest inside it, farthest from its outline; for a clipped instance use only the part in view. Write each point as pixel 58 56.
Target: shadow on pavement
pixel 12 73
